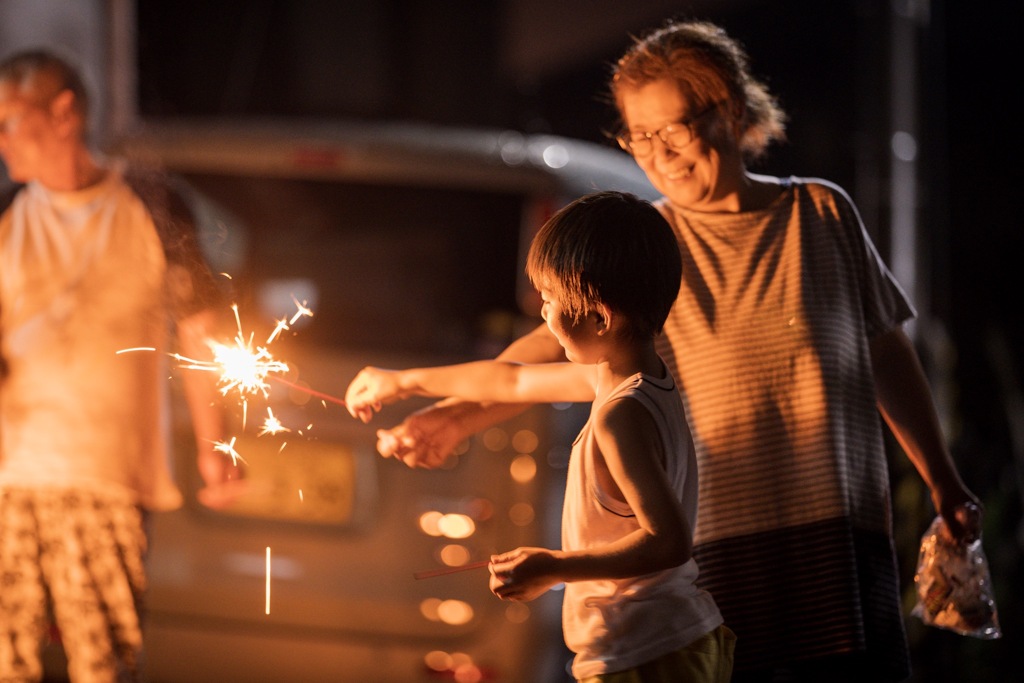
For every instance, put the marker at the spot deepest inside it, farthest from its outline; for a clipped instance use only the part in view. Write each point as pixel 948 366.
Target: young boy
pixel 608 269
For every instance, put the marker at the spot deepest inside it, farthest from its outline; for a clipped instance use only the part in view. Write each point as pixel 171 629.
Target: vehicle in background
pixel 407 244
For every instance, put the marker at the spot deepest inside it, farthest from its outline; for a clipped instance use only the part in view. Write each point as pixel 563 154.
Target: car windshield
pixel 385 268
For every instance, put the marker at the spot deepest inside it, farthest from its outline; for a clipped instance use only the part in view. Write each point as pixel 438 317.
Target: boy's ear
pixel 603 318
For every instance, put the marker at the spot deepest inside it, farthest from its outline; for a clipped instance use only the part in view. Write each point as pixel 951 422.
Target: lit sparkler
pixel 246 367
pixel 241 365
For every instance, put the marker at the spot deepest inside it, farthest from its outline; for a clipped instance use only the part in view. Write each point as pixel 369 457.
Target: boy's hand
pixel 522 574
pixel 370 390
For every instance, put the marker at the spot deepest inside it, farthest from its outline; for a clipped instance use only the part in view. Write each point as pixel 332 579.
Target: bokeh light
pixel 454 555
pixel 495 439
pixel 521 514
pixel 454 525
pixel 523 468
pixel 525 441
pixel 454 612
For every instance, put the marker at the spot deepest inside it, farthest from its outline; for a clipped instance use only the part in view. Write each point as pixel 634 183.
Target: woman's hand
pixel 426 438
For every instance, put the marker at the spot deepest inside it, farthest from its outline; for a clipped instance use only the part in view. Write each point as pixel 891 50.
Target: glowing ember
pixel 272 425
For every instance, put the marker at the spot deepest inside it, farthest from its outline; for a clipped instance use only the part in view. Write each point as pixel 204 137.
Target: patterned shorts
pixel 76 558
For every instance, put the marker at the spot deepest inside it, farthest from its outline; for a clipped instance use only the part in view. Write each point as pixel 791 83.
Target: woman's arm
pixel 905 401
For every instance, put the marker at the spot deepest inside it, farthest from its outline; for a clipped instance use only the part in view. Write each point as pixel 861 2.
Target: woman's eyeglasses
pixel 675 136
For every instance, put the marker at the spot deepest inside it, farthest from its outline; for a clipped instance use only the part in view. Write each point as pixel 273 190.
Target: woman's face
pixel 697 176
pixel 27 134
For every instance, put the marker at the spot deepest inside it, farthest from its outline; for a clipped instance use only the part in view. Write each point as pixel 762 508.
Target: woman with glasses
pixel 787 345
pixel 787 341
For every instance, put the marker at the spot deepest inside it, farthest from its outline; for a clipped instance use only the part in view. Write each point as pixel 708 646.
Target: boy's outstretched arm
pixel 486 380
pixel 428 437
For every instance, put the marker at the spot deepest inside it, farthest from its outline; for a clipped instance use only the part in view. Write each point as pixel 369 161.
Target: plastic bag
pixel 954 588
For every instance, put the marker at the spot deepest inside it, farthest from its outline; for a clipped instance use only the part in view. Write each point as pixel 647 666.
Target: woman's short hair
pixel 712 70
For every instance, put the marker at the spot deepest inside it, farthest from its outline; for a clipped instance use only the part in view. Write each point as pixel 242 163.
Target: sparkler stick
pixel 311 392
pixel 431 573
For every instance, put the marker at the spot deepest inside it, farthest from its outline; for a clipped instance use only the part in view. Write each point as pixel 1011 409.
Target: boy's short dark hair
pixel 612 248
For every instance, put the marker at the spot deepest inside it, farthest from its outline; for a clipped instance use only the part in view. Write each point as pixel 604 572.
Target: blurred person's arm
pixel 222 477
pixel 195 297
pixel 905 401
pixel 428 437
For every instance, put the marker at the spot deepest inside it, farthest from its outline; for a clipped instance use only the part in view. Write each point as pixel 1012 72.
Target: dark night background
pixel 542 66
pixel 539 66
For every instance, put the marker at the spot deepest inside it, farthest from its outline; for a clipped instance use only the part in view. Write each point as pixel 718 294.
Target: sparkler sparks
pixel 136 348
pixel 228 448
pixel 285 323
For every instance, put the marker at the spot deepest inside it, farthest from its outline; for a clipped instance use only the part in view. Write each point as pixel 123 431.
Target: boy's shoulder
pixel 641 392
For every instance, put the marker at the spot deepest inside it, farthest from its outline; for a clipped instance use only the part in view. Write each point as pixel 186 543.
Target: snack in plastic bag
pixel 954 588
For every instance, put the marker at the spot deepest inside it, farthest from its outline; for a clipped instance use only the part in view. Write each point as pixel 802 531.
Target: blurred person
pixel 94 259
pixel 787 344
pixel 607 270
